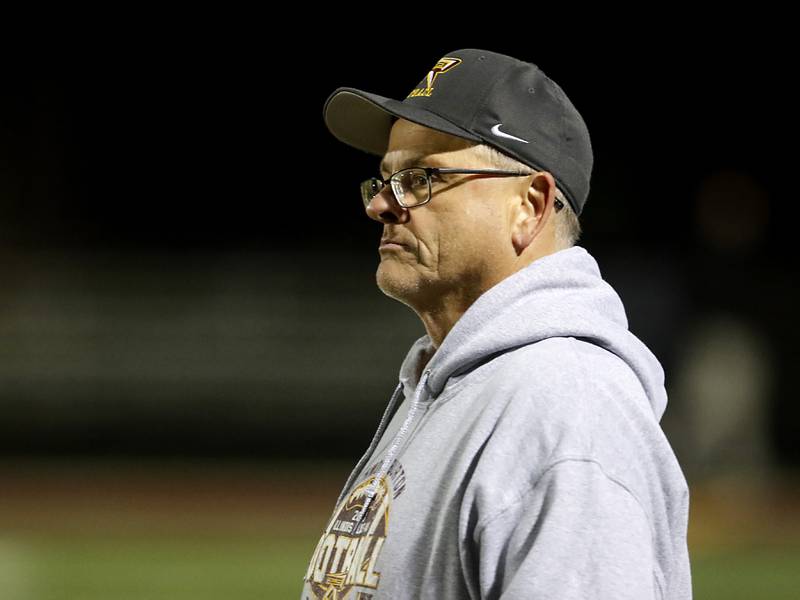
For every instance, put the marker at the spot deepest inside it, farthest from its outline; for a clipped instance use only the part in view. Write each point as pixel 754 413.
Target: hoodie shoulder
pixel 571 399
pixel 564 377
pixel 551 401
pixel 575 404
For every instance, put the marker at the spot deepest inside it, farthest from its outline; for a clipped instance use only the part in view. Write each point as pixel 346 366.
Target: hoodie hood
pixel 558 295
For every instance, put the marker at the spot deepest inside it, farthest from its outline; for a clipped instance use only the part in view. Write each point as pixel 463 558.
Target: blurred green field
pixel 176 569
pixel 131 568
pixel 202 532
pixel 100 568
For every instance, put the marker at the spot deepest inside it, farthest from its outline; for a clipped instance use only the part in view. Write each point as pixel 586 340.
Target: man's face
pixel 458 245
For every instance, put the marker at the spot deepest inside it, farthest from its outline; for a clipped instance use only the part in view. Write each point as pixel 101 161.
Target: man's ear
pixel 531 210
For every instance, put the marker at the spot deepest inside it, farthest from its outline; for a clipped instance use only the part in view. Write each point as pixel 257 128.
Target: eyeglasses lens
pixel 410 187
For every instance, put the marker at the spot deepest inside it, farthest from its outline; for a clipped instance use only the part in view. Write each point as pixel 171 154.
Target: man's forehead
pixel 411 142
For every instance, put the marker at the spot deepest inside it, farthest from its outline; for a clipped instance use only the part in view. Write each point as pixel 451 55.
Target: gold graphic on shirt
pixel 343 564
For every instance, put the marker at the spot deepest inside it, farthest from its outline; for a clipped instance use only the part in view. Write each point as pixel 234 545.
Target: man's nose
pixel 384 207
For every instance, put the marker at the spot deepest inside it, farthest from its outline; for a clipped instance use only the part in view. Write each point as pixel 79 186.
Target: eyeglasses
pixel 412 186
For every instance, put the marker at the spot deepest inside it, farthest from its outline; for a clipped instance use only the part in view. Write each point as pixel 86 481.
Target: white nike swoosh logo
pixel 496 131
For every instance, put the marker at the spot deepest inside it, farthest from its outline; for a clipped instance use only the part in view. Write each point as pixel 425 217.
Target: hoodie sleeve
pixel 575 534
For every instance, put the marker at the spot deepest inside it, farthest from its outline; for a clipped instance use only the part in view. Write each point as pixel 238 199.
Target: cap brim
pixel 364 120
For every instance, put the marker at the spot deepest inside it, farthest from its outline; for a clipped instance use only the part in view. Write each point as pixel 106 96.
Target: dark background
pixel 188 269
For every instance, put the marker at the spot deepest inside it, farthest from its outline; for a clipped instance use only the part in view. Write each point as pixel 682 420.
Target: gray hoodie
pixel 525 460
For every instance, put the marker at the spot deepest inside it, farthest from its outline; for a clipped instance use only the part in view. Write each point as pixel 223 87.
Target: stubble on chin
pixel 397 280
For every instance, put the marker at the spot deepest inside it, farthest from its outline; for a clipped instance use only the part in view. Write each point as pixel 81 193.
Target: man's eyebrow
pixel 408 161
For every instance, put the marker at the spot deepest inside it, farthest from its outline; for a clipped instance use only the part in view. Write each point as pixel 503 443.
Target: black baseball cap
pixel 485 97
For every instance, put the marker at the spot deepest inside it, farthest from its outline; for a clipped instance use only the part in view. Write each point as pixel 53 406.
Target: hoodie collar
pixel 558 295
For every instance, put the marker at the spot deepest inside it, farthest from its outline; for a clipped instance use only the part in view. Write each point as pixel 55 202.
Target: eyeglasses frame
pixel 445 170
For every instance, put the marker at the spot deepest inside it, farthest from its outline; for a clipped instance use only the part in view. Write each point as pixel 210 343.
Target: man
pixel 526 458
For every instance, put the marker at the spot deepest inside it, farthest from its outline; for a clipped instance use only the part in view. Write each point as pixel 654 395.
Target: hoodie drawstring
pixel 373 443
pixel 393 449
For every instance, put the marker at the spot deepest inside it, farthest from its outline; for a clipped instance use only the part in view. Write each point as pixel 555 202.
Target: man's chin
pixel 392 282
